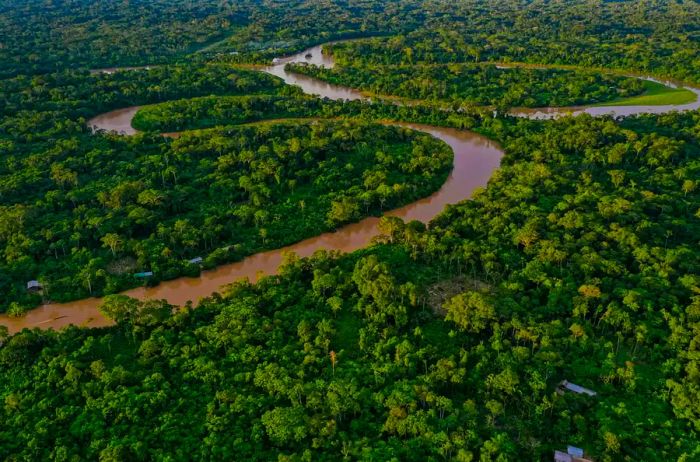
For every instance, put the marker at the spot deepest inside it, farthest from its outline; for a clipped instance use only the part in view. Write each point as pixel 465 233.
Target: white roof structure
pixel 577 388
pixel 560 456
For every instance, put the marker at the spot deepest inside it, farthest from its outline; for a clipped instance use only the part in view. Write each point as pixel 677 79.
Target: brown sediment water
pixel 475 159
pixel 118 121
pixel 311 85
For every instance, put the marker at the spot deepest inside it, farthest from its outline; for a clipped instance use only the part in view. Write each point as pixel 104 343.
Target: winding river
pixel 475 159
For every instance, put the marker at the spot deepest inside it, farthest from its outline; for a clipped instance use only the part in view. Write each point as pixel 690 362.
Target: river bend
pixel 475 159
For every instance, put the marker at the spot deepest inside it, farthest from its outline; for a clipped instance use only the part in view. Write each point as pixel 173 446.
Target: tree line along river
pixel 475 160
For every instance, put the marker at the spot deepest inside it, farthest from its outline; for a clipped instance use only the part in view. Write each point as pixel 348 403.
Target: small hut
pixel 34 286
pixel 196 261
pixel 565 386
pixel 573 454
pixel 146 274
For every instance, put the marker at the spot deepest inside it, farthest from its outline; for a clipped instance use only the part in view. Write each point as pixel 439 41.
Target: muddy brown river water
pixel 475 160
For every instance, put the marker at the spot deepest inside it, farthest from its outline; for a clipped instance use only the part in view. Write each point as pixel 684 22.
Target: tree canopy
pixel 461 339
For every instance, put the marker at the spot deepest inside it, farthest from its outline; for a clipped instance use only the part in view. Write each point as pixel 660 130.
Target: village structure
pixel 572 454
pixel 566 386
pixel 34 286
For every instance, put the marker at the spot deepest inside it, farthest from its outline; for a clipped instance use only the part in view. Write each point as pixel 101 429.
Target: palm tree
pixel 113 241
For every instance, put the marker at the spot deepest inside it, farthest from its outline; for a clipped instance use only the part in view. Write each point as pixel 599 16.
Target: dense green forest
pixel 579 261
pixel 657 37
pixel 467 84
pixel 218 195
pixel 38 36
pixel 82 213
pixel 31 103
pixel 209 111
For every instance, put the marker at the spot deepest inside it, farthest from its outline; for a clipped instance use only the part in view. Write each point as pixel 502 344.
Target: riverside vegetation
pixel 476 84
pixel 583 244
pixel 106 207
pixel 579 260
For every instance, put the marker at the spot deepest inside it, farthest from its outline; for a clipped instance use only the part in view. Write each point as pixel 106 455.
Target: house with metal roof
pixel 573 454
pixel 565 385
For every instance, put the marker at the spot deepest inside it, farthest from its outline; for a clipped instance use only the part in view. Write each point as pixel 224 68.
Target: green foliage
pixel 471 311
pixel 656 94
pixel 584 245
pixel 220 194
pixel 209 111
pixel 40 36
pixel 586 240
pixel 44 36
pixel 73 94
pixel 212 111
pixel 657 37
pixel 479 84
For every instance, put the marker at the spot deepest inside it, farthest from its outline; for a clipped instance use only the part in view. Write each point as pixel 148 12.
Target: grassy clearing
pixel 443 290
pixel 656 94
